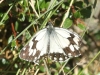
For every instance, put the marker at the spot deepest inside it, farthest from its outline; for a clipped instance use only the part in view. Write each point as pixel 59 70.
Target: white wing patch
pixel 56 43
pixel 71 48
pixel 54 46
pixel 63 32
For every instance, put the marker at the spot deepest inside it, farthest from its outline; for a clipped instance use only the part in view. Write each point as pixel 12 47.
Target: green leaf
pixel 16 66
pixel 66 69
pixel 10 39
pixel 42 68
pixel 81 26
pixel 67 23
pixel 77 14
pixel 42 5
pixel 85 13
pixel 13 44
pixel 16 25
pixel 27 35
pixel 58 65
pixel 63 6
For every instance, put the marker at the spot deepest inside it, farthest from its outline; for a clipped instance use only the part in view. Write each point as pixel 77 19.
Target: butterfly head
pixel 50 27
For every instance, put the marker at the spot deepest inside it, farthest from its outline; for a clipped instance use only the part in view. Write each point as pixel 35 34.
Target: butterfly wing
pixel 56 52
pixel 58 43
pixel 68 41
pixel 36 47
pixel 63 44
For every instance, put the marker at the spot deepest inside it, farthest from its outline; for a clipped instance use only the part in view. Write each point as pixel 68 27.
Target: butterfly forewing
pixel 56 43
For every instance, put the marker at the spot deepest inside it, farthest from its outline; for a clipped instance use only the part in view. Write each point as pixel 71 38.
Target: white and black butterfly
pixel 56 43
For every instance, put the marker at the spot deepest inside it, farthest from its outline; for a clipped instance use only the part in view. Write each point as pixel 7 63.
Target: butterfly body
pixel 56 43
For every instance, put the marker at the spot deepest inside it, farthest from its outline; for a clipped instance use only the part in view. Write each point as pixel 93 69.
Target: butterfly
pixel 58 44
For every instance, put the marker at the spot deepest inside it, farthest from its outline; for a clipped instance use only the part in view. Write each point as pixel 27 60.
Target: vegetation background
pixel 20 19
